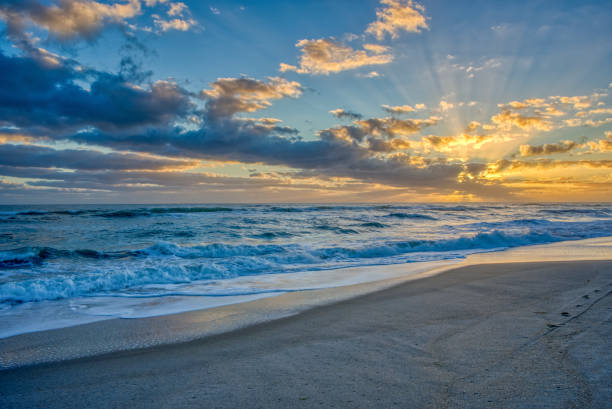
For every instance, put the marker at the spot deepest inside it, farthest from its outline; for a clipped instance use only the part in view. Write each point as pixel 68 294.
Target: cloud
pixel 508 118
pixel 503 29
pixel 375 131
pixel 76 19
pixel 602 145
pixel 445 106
pixel 351 151
pixel 44 98
pixel 371 74
pixel 578 102
pixel 229 96
pixel 517 165
pixel 472 126
pixel 396 16
pixel 178 18
pixel 548 149
pixel 26 156
pixel 67 19
pixel 342 114
pixel 451 143
pixel 177 9
pixel 152 3
pixel 392 127
pixel 167 183
pixel 403 109
pixel 178 24
pixel 325 56
pixel 545 113
pixel 598 111
pixel 392 145
pixel 329 156
pixel 470 68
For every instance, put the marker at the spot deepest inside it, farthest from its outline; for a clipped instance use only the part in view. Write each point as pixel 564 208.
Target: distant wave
pixel 373 224
pixel 163 210
pixel 119 213
pixel 451 208
pixel 45 212
pixel 336 229
pixel 564 230
pixel 411 216
pixel 286 209
pixel 269 235
pixel 578 211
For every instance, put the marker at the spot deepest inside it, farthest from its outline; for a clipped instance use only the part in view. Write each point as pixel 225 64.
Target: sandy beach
pixel 503 335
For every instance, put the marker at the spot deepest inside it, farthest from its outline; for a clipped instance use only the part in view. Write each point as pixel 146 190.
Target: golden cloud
pixel 396 16
pixel 254 90
pixel 513 165
pixel 450 143
pixel 403 109
pixel 602 145
pixel 548 149
pixel 325 56
pixel 508 118
pixel 72 18
pixel 393 126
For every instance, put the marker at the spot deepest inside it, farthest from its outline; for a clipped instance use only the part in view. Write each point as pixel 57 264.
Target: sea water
pixel 62 265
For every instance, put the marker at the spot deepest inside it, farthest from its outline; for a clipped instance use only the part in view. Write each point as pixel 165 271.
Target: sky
pixel 161 101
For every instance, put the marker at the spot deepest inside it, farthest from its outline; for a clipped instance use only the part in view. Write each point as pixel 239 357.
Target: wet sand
pixel 505 335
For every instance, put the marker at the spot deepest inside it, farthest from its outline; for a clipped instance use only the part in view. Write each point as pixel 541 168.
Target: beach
pixel 503 334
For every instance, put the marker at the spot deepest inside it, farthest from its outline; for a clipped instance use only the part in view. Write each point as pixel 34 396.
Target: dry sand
pixel 512 335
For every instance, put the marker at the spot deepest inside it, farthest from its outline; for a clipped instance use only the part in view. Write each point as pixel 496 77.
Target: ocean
pixel 61 265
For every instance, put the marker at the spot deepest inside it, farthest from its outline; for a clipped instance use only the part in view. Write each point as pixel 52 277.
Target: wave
pixel 163 233
pixel 373 224
pixel 578 211
pixel 483 241
pixel 161 263
pixel 536 231
pixel 118 213
pixel 162 210
pixel 566 230
pixel 30 256
pixel 46 212
pixel 269 235
pixel 411 216
pixel 286 209
pixel 451 208
pixel 336 229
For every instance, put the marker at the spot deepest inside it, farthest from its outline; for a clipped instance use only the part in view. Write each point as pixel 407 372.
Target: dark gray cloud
pixel 232 140
pixel 44 157
pixel 548 148
pixel 46 96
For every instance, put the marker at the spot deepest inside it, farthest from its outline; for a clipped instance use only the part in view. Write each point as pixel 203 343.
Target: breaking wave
pixel 168 263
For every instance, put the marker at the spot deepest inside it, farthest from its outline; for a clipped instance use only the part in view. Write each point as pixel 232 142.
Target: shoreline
pixel 522 334
pixel 116 334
